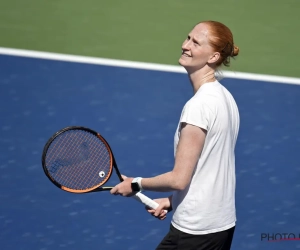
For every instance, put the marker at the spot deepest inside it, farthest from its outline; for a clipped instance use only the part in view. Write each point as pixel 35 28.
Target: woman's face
pixel 196 51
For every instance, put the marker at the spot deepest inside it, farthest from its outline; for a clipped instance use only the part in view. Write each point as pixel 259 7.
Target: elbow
pixel 179 181
pixel 179 186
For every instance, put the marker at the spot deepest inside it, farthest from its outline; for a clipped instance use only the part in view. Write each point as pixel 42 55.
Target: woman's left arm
pixel 189 149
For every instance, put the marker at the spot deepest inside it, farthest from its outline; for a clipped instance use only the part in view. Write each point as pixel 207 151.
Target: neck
pixel 198 78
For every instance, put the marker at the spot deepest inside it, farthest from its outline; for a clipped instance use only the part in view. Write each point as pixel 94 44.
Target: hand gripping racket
pixel 79 160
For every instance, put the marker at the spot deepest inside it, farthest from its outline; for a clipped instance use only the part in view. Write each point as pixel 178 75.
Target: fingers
pixel 162 217
pixel 114 190
pixel 159 214
pixel 159 210
pixel 123 188
pixel 150 210
pixel 124 176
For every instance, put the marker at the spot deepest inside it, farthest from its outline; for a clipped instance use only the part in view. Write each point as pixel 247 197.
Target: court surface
pixel 137 111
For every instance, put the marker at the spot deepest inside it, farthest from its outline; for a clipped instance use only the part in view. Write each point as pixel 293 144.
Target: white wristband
pixel 139 181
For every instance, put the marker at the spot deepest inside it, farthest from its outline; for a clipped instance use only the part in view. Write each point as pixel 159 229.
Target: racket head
pixel 77 159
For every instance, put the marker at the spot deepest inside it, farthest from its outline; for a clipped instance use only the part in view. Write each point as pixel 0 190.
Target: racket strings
pixel 66 156
pixel 78 176
pixel 79 160
pixel 85 174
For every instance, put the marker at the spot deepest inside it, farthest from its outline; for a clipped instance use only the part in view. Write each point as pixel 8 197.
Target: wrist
pixel 136 184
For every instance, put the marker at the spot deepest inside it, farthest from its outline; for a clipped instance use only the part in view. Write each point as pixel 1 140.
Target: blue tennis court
pixel 137 112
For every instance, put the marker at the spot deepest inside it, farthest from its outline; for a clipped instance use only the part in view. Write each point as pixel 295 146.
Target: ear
pixel 214 57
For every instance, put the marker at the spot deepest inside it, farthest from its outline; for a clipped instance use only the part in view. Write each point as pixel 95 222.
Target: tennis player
pixel 203 177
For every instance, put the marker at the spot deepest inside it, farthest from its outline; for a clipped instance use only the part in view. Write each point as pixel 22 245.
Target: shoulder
pixel 198 107
pixel 212 95
pixel 201 101
pixel 197 102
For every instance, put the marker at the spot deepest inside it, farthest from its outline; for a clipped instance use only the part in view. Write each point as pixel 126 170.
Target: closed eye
pixel 196 42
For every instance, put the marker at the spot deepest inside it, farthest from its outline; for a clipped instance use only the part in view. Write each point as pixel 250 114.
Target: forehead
pixel 200 31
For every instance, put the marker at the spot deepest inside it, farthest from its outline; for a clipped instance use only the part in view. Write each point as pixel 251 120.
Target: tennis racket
pixel 79 160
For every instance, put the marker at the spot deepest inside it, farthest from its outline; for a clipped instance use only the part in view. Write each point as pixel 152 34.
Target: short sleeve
pixel 197 113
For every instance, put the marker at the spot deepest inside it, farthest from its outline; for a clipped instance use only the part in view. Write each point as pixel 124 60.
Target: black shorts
pixel 177 240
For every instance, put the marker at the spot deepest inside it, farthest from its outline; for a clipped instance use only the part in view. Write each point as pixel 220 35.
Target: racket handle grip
pixel 146 200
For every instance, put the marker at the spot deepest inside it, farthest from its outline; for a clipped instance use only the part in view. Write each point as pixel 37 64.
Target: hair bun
pixel 235 51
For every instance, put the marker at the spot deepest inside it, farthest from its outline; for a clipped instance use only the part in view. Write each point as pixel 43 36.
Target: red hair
pixel 221 39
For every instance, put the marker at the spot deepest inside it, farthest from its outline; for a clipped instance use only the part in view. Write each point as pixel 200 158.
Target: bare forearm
pixel 163 183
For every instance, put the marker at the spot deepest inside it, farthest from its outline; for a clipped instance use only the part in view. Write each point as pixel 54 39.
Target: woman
pixel 203 177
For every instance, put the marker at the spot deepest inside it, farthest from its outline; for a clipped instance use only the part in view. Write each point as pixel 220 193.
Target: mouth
pixel 185 54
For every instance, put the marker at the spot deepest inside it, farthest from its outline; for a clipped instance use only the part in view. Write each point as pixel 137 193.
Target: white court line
pixel 140 65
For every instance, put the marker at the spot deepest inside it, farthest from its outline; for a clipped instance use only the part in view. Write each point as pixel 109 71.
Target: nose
pixel 186 45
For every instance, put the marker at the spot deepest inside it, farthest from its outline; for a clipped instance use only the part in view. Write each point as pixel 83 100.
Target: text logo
pixel 279 236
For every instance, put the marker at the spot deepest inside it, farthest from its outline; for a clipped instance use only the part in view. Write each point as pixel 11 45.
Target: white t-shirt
pixel 207 204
